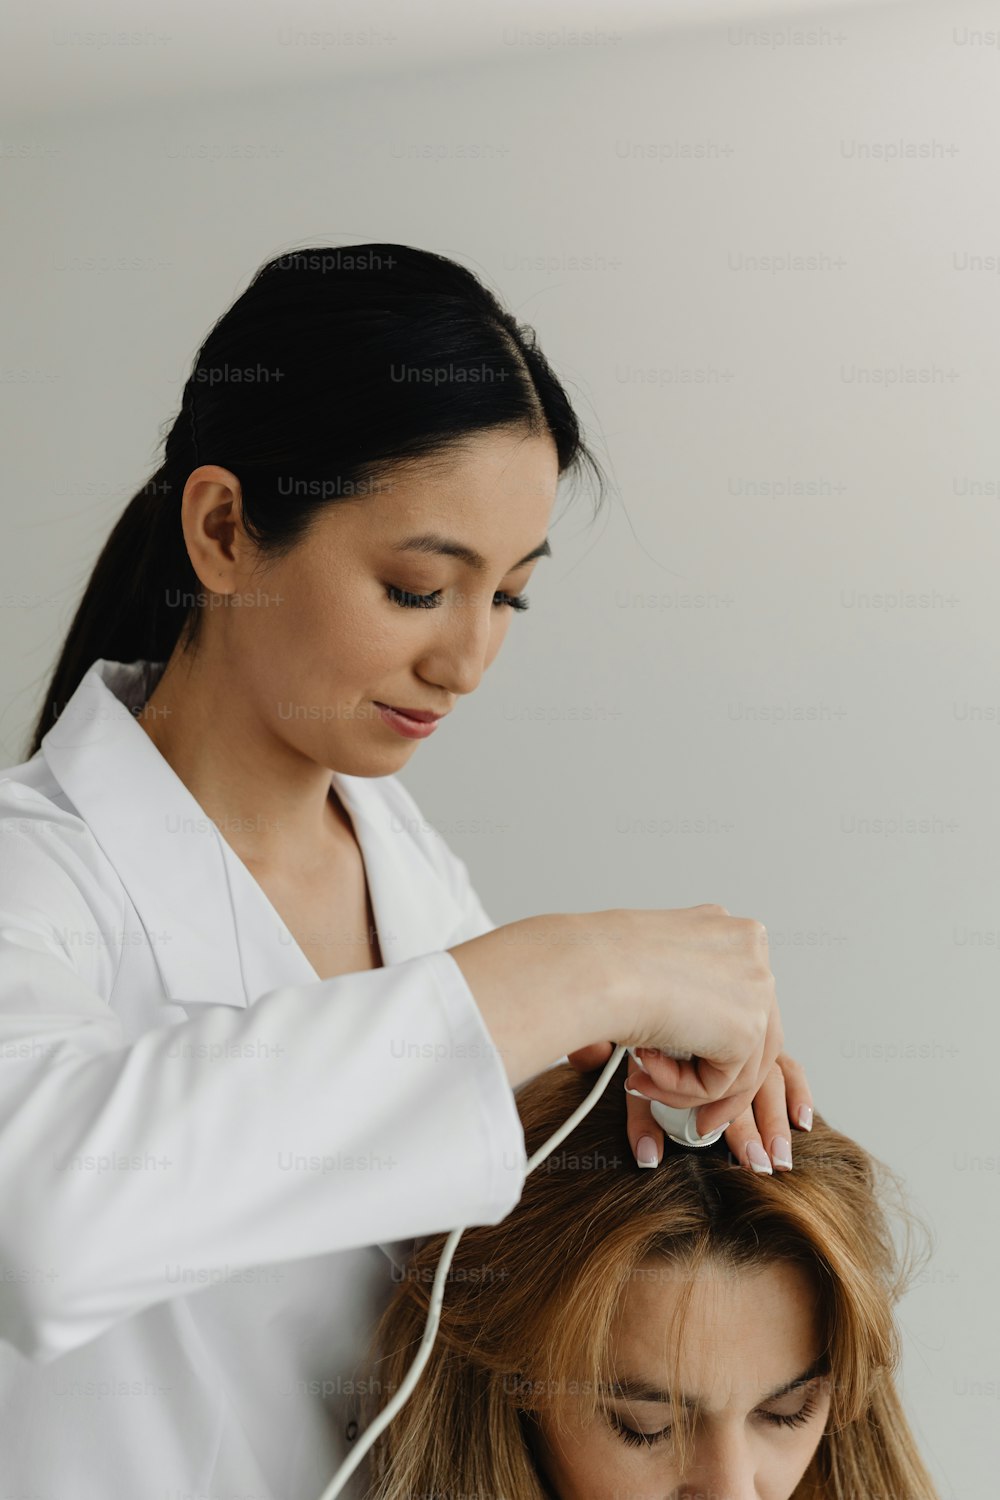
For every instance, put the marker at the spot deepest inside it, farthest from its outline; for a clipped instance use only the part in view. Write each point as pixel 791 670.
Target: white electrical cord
pixel 387 1413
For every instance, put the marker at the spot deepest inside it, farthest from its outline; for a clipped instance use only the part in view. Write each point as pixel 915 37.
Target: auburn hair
pixel 530 1303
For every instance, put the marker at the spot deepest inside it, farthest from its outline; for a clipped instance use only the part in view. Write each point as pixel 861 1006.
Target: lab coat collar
pixel 169 855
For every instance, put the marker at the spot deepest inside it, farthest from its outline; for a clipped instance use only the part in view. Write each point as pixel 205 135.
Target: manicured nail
pixel 804 1118
pixel 646 1153
pixel 781 1152
pixel 758 1157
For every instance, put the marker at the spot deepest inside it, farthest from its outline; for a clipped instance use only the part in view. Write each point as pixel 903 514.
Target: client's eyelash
pixel 637 1439
pixel 429 601
pixel 795 1418
pixel 648 1439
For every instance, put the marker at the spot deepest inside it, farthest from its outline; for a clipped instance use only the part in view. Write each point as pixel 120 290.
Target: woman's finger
pixel 798 1098
pixel 743 1140
pixel 771 1119
pixel 644 1135
pixel 594 1055
pixel 679 1083
pixel 761 1135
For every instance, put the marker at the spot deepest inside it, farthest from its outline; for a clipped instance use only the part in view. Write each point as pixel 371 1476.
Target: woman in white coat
pixel 257 1032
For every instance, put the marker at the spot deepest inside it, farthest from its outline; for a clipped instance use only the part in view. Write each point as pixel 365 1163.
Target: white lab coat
pixel 212 1163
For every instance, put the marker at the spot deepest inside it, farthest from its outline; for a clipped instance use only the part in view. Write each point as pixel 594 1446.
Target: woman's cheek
pixel 593 1464
pixel 368 637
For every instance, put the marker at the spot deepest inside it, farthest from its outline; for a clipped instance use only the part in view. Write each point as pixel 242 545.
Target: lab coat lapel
pixel 413 907
pixel 213 932
pixel 158 839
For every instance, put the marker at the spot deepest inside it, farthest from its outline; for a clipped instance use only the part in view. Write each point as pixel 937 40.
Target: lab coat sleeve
pixel 455 871
pixel 363 1109
pixel 477 921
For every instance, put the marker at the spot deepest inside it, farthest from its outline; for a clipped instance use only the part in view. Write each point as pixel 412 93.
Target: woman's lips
pixel 412 729
pixel 422 715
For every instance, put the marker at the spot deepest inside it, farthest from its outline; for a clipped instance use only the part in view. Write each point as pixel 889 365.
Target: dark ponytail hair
pixel 332 366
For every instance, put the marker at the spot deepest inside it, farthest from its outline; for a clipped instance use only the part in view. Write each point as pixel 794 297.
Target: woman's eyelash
pixel 637 1439
pixel 407 600
pixel 792 1419
pixel 648 1439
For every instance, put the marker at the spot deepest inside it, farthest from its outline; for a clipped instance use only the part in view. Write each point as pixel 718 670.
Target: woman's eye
pixel 406 600
pixel 648 1439
pixel 792 1418
pixel 515 601
pixel 637 1439
pixel 412 601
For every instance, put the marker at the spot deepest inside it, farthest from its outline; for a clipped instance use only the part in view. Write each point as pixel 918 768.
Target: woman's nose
pixel 461 649
pixel 723 1470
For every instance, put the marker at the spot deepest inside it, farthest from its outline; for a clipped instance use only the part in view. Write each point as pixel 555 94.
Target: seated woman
pixel 696 1332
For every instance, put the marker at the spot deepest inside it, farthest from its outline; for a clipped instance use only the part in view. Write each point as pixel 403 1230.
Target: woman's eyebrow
pixel 444 546
pixel 640 1390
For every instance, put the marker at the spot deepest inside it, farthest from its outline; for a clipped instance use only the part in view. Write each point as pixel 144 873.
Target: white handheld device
pixel 679 1124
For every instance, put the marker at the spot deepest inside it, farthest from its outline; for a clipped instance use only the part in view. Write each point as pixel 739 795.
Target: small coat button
pixel 352 1430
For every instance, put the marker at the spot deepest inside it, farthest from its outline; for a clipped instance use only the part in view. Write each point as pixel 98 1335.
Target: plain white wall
pixel 767 675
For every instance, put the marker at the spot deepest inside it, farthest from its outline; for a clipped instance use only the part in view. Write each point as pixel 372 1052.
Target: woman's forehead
pixel 743 1331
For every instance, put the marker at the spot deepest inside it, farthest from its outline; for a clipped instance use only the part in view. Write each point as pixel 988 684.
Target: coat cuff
pixel 491 1109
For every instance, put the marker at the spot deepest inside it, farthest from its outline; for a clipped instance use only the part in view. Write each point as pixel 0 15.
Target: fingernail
pixel 758 1157
pixel 804 1118
pixel 781 1152
pixel 630 1080
pixel 646 1153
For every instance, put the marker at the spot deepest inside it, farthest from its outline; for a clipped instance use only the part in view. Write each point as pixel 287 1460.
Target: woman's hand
pixel 783 1097
pixel 693 986
pixel 761 1136
pixel 706 1027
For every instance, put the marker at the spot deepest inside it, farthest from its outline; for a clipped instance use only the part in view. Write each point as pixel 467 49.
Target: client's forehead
pixel 745 1332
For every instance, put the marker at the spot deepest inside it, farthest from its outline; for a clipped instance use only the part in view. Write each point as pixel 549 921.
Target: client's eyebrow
pixel 444 546
pixel 640 1390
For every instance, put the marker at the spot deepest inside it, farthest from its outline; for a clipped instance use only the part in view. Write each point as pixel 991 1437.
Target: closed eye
pixel 406 600
pixel 649 1439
